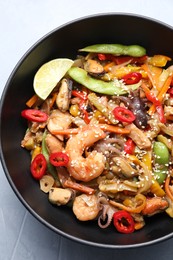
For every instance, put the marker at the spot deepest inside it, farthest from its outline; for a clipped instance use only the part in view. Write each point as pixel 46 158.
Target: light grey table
pixel 22 23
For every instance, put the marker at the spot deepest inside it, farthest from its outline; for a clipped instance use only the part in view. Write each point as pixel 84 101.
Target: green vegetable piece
pixel 161 153
pixel 51 169
pixel 108 88
pixel 116 49
pixel 161 174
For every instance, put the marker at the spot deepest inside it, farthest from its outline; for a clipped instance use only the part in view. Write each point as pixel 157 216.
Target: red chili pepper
pixel 132 78
pixel 129 146
pixel 170 91
pixel 160 112
pixel 38 166
pixel 34 115
pixel 123 114
pixel 59 159
pixel 79 94
pixel 151 97
pixel 123 222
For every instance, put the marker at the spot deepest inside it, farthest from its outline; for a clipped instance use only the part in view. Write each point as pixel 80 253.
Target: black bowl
pixel 64 41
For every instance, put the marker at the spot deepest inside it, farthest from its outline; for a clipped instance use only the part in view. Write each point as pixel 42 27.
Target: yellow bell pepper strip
pixel 159 60
pixel 116 49
pixel 115 87
pixel 36 151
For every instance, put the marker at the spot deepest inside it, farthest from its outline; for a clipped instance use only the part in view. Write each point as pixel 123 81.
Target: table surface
pixel 22 23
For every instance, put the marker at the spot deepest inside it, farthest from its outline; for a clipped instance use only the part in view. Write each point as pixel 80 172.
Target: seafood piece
pixel 53 144
pixel 139 137
pixel 85 207
pixel 60 196
pixel 59 121
pixel 64 94
pixel 124 167
pixel 93 66
pixel 80 168
pixel 154 205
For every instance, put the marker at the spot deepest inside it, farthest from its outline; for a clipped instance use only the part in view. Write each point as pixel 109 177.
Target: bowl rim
pixel 21 199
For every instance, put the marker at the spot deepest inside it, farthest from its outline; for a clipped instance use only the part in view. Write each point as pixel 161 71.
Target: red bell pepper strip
pixel 160 112
pixel 158 105
pixel 121 59
pixel 38 166
pixel 123 222
pixel 59 159
pixel 34 115
pixel 123 114
pixel 132 78
pixel 129 146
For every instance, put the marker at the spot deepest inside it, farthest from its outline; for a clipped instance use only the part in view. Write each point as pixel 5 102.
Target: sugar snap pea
pixel 161 158
pixel 161 153
pixel 116 49
pixel 99 86
pixel 160 174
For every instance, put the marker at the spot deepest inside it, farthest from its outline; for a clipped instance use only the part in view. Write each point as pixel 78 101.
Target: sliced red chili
pixel 59 159
pixel 123 114
pixel 38 166
pixel 101 56
pixel 34 115
pixel 123 222
pixel 129 146
pixel 132 78
pixel 79 94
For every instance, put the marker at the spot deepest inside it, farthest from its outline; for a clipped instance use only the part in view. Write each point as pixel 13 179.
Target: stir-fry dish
pixel 100 134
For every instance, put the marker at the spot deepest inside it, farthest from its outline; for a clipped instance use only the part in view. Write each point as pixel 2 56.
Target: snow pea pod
pixel 160 174
pixel 116 49
pixel 115 87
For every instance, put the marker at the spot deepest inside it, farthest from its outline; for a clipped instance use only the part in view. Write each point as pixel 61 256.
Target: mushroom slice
pixel 93 66
pixel 46 183
pixel 60 196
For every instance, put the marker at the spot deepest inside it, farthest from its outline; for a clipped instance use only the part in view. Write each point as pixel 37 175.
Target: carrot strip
pixel 161 94
pixel 108 66
pixel 53 100
pixel 138 209
pixel 104 127
pixel 32 100
pixel 167 190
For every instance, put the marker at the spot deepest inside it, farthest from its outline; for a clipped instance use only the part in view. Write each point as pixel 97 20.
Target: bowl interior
pixel 128 29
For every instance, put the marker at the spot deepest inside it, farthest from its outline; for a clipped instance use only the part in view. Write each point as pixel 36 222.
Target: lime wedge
pixel 49 74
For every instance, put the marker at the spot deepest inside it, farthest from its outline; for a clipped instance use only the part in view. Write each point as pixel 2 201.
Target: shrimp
pixel 154 205
pixel 59 121
pixel 85 207
pixel 80 168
